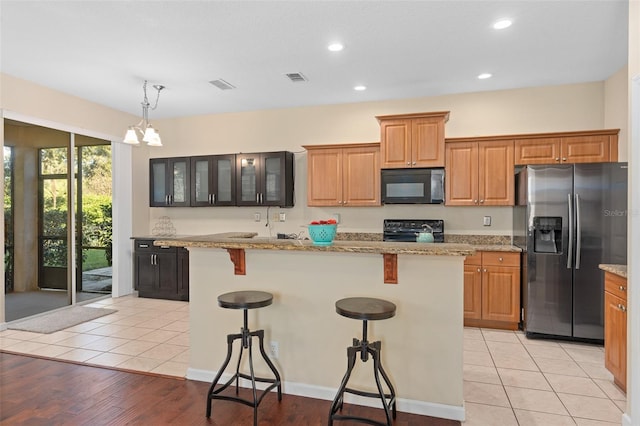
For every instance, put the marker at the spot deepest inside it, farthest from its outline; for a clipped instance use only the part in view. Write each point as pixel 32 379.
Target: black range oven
pixel 405 230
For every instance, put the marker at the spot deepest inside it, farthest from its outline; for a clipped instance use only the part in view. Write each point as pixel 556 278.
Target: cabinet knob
pixel 622 288
pixel 481 201
pixel 414 163
pixel 408 163
pixel 622 307
pixel 484 270
pixel 475 201
pixel 478 269
pixel 500 259
pixel 564 158
pixel 558 159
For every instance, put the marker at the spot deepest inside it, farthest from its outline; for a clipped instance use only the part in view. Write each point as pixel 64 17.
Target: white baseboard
pixel 422 408
pixel 3 326
pixel 626 420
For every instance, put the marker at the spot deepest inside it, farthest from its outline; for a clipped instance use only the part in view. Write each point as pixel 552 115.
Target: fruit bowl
pixel 322 235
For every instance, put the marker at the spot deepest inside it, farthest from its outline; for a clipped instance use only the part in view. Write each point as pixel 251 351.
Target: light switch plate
pixel 283 216
pixel 256 216
pixel 487 221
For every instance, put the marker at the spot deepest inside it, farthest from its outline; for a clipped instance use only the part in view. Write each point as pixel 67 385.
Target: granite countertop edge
pixel 620 270
pixel 250 240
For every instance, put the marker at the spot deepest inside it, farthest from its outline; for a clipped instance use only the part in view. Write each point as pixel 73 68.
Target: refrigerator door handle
pixel 578 231
pixel 570 249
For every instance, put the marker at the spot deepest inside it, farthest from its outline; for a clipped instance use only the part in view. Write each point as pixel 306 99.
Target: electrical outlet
pixel 256 216
pixel 487 221
pixel 283 216
pixel 275 350
pixel 275 217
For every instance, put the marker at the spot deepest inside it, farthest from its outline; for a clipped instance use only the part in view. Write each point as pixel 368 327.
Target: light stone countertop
pixel 620 270
pixel 249 240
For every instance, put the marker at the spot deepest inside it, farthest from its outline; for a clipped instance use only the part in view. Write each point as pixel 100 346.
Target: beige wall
pixel 529 110
pixel 313 338
pixel 616 109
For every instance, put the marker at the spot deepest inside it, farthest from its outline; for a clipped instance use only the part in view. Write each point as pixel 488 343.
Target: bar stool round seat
pixel 365 309
pixel 248 299
pixel 245 300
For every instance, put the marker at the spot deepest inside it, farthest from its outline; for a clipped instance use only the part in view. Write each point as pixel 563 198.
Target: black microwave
pixel 412 186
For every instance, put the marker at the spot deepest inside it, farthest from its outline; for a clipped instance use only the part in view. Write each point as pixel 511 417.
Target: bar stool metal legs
pixel 246 338
pixel 365 349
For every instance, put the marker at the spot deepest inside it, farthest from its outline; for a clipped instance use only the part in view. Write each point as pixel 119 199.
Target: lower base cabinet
pixel 161 272
pixel 615 328
pixel 492 290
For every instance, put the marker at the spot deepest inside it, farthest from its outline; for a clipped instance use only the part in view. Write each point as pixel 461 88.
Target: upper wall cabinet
pixel 169 182
pixel 264 179
pixel 213 180
pixel 412 140
pixel 598 146
pixel 479 173
pixel 345 175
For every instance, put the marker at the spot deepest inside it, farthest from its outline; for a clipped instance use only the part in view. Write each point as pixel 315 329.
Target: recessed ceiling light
pixel 335 47
pixel 502 24
pixel 360 88
pixel 484 76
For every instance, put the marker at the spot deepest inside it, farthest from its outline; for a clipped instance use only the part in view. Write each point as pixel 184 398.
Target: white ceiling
pixel 104 50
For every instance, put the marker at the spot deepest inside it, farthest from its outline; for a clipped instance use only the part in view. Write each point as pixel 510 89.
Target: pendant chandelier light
pixel 146 130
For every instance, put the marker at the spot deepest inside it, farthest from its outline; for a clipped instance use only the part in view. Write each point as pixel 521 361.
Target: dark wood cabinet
pixel 169 182
pixel 264 179
pixel 161 272
pixel 213 180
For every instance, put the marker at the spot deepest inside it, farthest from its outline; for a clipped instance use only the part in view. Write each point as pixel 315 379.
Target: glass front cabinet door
pixel 169 180
pixel 213 180
pixel 265 179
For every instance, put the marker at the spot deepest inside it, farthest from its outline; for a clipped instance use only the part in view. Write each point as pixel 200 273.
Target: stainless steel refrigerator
pixel 569 219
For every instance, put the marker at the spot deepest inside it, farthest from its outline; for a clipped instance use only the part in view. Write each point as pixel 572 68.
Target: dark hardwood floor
pixel 35 391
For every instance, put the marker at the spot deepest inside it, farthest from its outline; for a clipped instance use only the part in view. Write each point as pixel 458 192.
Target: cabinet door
pixel 201 190
pixel 167 270
pixel 585 149
pixel 179 182
pixel 223 180
pixel 248 179
pixel 501 294
pixel 324 177
pixel 496 174
pixel 615 338
pixel 361 177
pixel 427 142
pixel 472 292
pixel 183 274
pixel 159 190
pixel 145 272
pixel 461 174
pixel 272 190
pixel 395 146
pixel 537 151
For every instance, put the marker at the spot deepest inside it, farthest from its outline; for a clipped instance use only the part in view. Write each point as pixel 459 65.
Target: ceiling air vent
pixel 222 85
pixel 296 77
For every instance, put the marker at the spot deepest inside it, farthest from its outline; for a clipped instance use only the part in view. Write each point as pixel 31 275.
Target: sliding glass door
pixel 60 206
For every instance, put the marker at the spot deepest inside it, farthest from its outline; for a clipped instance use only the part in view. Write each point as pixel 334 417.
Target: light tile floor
pixel 148 335
pixel 508 379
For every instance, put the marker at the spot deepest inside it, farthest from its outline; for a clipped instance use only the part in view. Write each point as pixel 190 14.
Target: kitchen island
pixel 422 345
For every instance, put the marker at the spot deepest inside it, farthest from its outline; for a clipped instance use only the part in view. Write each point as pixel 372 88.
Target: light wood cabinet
pixel 492 290
pixel 412 140
pixel 566 148
pixel 615 328
pixel 345 175
pixel 479 173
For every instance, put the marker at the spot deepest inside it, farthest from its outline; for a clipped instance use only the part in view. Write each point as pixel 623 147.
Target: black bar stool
pixel 245 300
pixel 365 309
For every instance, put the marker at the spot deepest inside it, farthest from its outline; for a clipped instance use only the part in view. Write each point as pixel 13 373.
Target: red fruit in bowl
pixel 323 222
pixel 331 222
pixel 315 222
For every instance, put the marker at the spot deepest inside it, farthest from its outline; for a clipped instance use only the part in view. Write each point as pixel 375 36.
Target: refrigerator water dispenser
pixel 547 234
